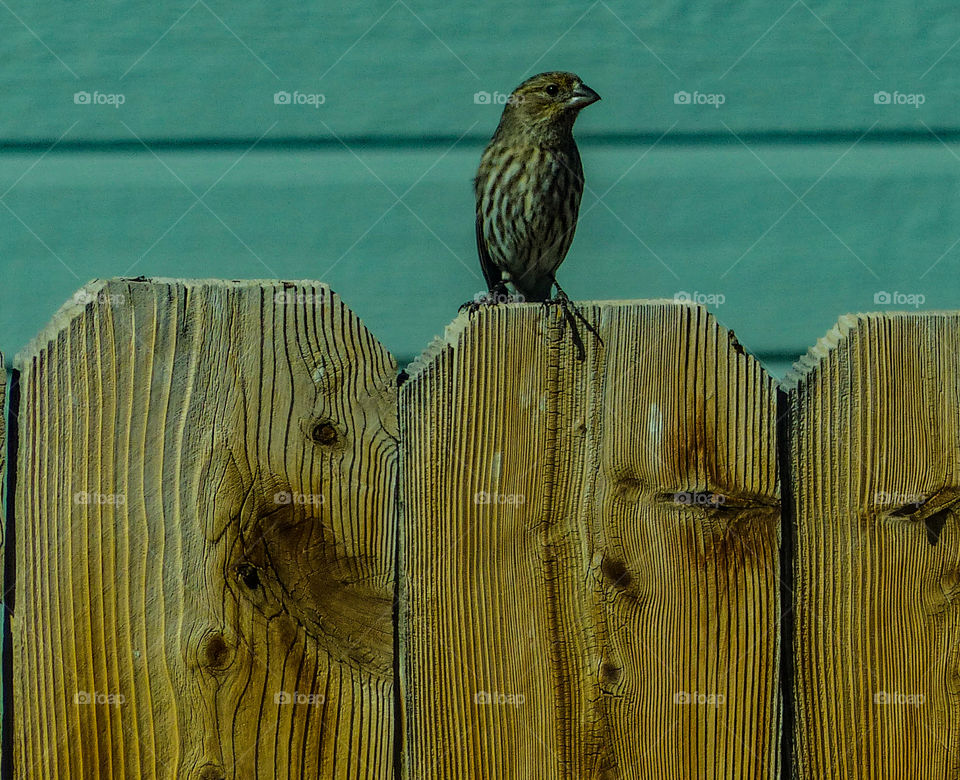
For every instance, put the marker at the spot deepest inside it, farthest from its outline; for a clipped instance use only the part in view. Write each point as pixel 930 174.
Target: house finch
pixel 529 184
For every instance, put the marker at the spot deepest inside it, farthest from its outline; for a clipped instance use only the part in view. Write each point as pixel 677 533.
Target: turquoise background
pixel 798 199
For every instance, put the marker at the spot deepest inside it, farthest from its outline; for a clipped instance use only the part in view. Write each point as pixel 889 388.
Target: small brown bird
pixel 529 185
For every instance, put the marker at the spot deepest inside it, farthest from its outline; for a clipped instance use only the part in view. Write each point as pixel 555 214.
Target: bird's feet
pixel 570 316
pixel 498 294
pixel 560 298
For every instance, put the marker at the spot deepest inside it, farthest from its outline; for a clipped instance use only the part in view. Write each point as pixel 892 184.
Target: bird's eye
pixel 553 90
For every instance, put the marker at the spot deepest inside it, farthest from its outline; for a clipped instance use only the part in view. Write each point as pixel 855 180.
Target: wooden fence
pixel 241 552
pixel 874 439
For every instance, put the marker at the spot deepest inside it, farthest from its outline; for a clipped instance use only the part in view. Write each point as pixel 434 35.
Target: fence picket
pixel 205 538
pixel 589 550
pixel 874 445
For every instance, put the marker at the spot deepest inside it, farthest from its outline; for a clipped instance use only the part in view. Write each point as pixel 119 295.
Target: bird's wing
pixel 490 270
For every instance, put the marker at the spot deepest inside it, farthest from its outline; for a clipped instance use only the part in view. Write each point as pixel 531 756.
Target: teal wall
pixel 200 174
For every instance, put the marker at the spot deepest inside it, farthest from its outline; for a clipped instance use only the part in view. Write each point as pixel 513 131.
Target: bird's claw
pixel 571 313
pixel 491 298
pixel 471 307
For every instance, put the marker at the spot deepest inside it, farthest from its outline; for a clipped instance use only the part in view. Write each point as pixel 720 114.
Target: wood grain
pixel 874 441
pixel 205 550
pixel 612 610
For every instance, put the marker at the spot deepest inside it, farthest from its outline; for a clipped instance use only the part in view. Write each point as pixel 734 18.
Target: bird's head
pixel 548 102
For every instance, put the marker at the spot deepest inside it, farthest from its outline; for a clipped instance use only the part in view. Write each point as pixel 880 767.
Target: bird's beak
pixel 583 96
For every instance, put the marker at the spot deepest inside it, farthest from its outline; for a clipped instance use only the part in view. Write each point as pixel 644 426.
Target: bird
pixel 528 188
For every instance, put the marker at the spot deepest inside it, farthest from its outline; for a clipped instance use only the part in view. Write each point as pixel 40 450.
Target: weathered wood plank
pixel 412 69
pixel 589 550
pixel 320 211
pixel 205 549
pixel 874 445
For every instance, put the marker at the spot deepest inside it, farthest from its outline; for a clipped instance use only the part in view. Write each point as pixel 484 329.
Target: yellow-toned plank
pixel 874 444
pixel 205 541
pixel 589 550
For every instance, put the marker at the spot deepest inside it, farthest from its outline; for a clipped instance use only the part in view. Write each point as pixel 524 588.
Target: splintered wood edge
pixel 820 351
pixel 453 333
pixel 77 304
pixel 846 324
pixel 61 319
pixel 448 341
